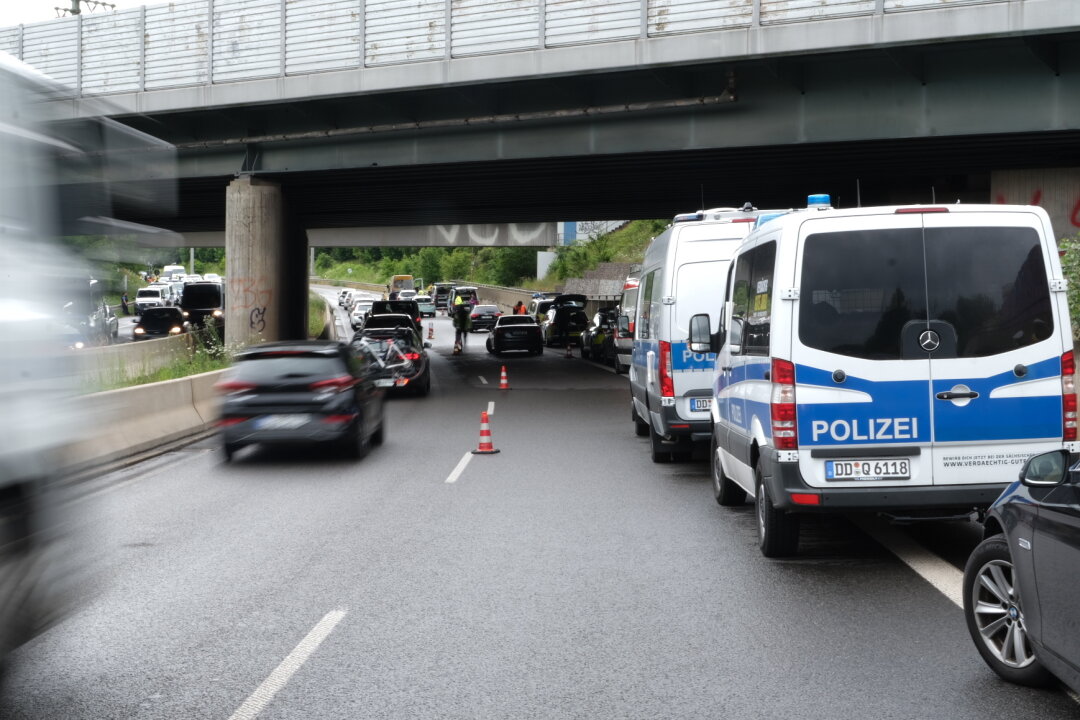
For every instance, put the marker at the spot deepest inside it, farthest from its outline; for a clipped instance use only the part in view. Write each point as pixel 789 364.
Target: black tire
pixel 641 428
pixel 425 386
pixel 726 492
pixel 778 531
pixel 584 352
pixel 229 450
pixel 355 444
pixel 621 369
pixel 1012 658
pixel 379 435
pixel 658 452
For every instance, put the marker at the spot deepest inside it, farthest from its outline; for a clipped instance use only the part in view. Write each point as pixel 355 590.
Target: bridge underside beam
pixel 540 235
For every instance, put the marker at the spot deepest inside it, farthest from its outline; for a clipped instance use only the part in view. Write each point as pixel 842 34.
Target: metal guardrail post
pixel 209 42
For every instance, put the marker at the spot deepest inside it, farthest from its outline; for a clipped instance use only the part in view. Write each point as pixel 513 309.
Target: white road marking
pixel 460 468
pixel 491 408
pixel 482 379
pixel 946 578
pixel 263 694
pixel 1073 696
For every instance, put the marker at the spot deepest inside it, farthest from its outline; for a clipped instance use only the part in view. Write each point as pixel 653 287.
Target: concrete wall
pixel 116 363
pixel 1056 190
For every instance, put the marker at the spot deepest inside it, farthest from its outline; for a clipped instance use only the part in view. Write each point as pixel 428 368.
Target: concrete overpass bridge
pixel 297 118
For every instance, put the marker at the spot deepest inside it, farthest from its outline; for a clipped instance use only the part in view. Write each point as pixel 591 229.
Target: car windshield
pixel 388 321
pixel 516 320
pixel 161 318
pixel 267 368
pixel 149 293
pixel 485 309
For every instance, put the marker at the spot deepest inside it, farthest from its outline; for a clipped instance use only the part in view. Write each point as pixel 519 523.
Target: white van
pixel 624 335
pixel 172 271
pixel 904 360
pixel 680 277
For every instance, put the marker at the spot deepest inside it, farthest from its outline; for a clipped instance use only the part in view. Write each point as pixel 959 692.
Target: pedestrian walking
pixel 124 303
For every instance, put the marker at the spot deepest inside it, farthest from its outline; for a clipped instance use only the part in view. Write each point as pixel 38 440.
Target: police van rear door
pixel 862 384
pixel 999 335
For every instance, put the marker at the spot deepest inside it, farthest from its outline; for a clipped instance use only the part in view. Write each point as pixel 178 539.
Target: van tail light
pixel 782 408
pixel 228 387
pixel 1068 395
pixel 340 383
pixel 667 383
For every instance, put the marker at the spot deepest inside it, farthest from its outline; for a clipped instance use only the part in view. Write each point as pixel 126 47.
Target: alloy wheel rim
pixel 998 616
pixel 759 502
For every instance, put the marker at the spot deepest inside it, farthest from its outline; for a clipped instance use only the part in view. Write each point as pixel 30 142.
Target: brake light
pixel 667 383
pixel 920 210
pixel 338 419
pixel 739 220
pixel 340 383
pixel 225 422
pixel 782 408
pixel 233 386
pixel 1068 395
pixel 412 356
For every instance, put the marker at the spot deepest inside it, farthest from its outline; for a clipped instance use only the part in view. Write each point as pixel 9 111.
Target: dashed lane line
pixel 263 694
pixel 491 408
pixel 942 575
pixel 483 380
pixel 453 477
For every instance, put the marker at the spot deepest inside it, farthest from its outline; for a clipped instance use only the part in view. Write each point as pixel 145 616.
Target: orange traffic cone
pixel 485 447
pixel 431 331
pixel 504 384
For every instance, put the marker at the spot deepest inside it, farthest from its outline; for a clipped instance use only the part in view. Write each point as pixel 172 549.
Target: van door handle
pixel 950 395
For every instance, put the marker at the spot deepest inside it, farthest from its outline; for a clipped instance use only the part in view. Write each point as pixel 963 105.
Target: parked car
pixel 359 313
pixel 596 339
pixel 403 307
pixel 426 305
pixel 341 297
pixel 624 330
pixel 1021 584
pixel 168 293
pixel 563 325
pixel 160 322
pixel 211 277
pixel 303 392
pixel 515 332
pixel 348 299
pixel 441 292
pixel 484 316
pixel 149 297
pixel 203 304
pixel 403 355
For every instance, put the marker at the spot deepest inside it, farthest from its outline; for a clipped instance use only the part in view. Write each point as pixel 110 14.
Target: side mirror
pixel 1045 470
pixel 623 326
pixel 735 341
pixel 700 337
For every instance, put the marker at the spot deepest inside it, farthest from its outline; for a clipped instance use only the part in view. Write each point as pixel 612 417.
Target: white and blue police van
pixel 670 386
pixel 903 360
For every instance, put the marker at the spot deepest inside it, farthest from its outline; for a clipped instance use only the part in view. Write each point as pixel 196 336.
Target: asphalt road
pixel 566 576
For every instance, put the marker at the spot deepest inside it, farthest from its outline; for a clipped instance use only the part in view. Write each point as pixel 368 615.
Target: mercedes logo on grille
pixel 929 341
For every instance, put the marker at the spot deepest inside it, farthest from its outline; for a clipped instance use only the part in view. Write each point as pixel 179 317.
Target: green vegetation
pixel 1070 266
pixel 316 315
pixel 627 244
pixel 207 353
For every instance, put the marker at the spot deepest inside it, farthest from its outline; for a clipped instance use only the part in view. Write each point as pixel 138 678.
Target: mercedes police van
pixel 905 360
pixel 670 385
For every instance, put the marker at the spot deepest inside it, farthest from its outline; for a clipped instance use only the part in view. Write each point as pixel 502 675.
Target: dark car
pixel 564 324
pixel 303 392
pixel 441 292
pixel 404 358
pixel 484 316
pixel 596 339
pixel 515 332
pixel 203 303
pixel 1021 583
pixel 160 322
pixel 399 307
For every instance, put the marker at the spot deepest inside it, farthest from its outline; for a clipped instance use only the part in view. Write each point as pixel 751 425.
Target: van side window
pixel 649 288
pixel 752 299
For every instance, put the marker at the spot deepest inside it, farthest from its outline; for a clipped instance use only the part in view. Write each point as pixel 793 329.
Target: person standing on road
pixel 124 303
pixel 462 323
pixel 519 309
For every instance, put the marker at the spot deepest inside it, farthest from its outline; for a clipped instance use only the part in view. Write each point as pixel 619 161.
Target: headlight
pixel 174 330
pixel 139 331
pixel 79 345
pixel 186 314
pixel 218 313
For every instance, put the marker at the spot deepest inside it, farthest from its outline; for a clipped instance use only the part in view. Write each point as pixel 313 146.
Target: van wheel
pixel 660 454
pixel 641 428
pixel 778 531
pixel 726 492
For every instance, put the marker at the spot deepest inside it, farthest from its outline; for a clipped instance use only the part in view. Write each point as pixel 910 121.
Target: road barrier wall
pixel 117 363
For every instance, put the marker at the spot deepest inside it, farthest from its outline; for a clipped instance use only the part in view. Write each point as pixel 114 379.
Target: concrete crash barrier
pixel 137 419
pixel 118 363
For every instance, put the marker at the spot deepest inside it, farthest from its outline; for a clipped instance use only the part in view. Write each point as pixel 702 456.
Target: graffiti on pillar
pixel 257 319
pixel 1071 206
pixel 247 293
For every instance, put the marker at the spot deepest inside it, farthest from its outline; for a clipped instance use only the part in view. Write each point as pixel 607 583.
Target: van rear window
pixel 987 285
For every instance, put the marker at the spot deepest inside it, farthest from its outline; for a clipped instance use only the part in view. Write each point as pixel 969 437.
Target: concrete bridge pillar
pixel 266 291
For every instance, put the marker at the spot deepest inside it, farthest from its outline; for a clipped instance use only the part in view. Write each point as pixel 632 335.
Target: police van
pixel 670 385
pixel 905 360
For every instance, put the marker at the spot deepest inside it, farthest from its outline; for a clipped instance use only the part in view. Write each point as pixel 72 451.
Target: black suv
pixel 203 303
pixel 403 307
pixel 302 392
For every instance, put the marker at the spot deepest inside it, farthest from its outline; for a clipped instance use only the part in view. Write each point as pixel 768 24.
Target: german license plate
pixel 384 382
pixel 700 403
pixel 875 469
pixel 282 422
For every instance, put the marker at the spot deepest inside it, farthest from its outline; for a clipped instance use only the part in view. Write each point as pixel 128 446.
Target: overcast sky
pixel 14 12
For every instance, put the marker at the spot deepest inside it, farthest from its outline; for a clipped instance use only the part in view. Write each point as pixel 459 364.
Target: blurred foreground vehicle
pixel 1021 583
pixel 302 392
pixel 515 332
pixel 403 355
pixel 53 183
